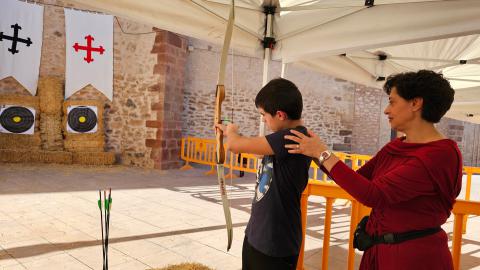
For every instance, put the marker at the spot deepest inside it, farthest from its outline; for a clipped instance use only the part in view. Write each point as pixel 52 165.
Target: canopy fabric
pixel 340 38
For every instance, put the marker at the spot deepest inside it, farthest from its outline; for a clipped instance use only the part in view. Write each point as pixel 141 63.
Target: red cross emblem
pixel 88 48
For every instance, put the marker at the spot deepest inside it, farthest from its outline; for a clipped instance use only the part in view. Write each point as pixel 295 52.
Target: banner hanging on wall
pixel 89 48
pixel 21 31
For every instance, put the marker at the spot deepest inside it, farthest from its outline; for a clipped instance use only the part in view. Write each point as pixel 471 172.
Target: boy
pixel 274 232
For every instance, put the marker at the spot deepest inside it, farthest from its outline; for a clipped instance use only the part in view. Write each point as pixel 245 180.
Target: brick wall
pixel 163 92
pixel 328 102
pixel 471 142
pixel 171 58
pixel 148 79
pixel 467 136
pixel 371 128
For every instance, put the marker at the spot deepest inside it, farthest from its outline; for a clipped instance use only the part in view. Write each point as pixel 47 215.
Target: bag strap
pixel 395 238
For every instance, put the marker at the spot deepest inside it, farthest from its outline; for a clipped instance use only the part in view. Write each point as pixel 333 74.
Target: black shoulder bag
pixel 362 241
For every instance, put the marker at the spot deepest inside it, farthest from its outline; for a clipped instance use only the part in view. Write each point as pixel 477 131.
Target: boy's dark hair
pixel 435 90
pixel 280 95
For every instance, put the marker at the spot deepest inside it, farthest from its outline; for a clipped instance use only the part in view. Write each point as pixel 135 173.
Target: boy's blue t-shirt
pixel 275 227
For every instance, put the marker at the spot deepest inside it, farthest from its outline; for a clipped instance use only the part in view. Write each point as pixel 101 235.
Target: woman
pixel 410 184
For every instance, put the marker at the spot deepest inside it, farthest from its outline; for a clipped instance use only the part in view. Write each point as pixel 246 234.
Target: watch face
pixel 324 155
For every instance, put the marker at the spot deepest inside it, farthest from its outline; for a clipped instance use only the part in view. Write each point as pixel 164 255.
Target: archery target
pixel 17 119
pixel 82 119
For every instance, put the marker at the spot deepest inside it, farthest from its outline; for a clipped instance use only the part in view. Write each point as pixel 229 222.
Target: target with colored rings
pixel 17 119
pixel 82 119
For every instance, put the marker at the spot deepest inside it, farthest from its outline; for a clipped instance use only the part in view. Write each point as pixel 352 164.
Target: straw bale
pixel 50 93
pixel 100 122
pixel 37 156
pixel 185 266
pixel 51 132
pixel 60 157
pixel 20 141
pixel 22 100
pixel 83 136
pixel 94 158
pixel 84 145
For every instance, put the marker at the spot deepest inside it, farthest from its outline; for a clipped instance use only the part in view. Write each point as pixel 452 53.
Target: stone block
pixel 153 124
pixel 153 143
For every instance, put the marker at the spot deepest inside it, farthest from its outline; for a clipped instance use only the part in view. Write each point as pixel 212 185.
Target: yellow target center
pixel 82 119
pixel 17 119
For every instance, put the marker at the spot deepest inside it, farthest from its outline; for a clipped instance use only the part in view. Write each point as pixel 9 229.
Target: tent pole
pixel 268 45
pixel 284 69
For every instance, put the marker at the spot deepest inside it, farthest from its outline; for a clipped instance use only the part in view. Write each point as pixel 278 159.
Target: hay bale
pixel 82 136
pixel 50 93
pixel 36 156
pixel 51 132
pixel 82 144
pixel 27 101
pixel 59 157
pixel 20 141
pixel 93 158
pixel 185 266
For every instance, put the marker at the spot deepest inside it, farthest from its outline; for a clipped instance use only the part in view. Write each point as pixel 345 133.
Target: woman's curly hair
pixel 433 88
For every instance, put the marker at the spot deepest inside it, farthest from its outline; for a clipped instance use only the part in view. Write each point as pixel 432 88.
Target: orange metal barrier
pixel 460 210
pixel 202 151
pixel 331 192
pixel 469 171
pixel 241 162
pixel 197 150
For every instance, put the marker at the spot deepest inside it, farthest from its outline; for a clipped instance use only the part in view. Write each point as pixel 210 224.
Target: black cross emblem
pixel 15 39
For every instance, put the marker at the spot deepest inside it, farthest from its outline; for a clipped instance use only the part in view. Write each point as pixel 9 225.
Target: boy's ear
pixel 282 115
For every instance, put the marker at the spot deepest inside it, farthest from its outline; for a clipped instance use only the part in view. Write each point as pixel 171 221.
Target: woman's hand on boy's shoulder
pixel 309 144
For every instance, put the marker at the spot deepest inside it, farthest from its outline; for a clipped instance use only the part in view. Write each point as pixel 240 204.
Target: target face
pixel 82 119
pixel 17 119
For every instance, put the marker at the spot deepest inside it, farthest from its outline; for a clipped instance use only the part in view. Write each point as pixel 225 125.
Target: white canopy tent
pixel 357 40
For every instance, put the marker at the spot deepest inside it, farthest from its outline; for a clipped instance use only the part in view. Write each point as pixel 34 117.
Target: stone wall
pixel 162 91
pixel 148 79
pixel 171 58
pixel 471 144
pixel 348 116
pixel 467 136
pixel 328 102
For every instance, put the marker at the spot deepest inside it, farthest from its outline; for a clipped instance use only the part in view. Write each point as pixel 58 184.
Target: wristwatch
pixel 324 156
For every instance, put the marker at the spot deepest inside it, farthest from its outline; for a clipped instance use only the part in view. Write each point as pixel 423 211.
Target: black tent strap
pixel 382 57
pixel 269 42
pixel 269 10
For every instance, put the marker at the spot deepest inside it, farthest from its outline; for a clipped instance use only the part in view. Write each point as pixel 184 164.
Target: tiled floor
pixel 49 219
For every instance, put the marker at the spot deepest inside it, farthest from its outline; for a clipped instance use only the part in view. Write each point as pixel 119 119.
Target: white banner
pixel 89 51
pixel 21 31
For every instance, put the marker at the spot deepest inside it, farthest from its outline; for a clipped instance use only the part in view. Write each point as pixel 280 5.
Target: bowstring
pixel 232 95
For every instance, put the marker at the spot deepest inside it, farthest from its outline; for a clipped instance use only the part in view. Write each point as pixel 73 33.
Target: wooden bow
pixel 219 98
